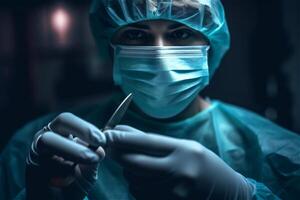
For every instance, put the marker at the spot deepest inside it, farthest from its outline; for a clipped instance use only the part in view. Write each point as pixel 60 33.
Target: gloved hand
pixel 60 164
pixel 160 167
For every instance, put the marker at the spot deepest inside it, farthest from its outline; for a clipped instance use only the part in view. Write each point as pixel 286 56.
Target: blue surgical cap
pixel 205 16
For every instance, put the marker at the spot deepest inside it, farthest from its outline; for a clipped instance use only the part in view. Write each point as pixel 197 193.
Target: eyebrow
pixel 146 27
pixel 141 26
pixel 176 25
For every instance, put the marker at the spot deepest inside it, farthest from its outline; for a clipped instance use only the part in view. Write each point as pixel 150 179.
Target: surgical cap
pixel 205 16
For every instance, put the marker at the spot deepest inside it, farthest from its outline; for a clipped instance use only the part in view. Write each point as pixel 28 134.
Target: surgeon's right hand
pixel 60 164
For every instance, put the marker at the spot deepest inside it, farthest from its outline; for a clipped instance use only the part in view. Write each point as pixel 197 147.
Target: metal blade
pixel 116 118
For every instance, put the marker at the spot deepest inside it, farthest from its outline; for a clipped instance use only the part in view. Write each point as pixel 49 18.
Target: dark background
pixel 43 70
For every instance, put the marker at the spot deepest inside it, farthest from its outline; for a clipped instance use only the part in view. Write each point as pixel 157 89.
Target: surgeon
pixel 175 144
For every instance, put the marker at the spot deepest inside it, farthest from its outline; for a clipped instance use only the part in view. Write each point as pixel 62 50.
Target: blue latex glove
pixel 160 167
pixel 60 165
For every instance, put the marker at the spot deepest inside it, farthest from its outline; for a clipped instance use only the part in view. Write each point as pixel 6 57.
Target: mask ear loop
pixel 116 66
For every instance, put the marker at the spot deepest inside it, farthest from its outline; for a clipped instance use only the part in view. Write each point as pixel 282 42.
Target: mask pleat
pixel 164 80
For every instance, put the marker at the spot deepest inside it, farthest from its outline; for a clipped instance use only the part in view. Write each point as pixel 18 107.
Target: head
pixel 206 17
pixel 161 25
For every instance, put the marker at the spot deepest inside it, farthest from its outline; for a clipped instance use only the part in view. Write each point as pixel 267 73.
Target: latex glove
pixel 160 167
pixel 60 165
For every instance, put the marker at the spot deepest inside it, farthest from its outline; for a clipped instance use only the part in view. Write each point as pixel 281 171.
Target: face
pixel 158 33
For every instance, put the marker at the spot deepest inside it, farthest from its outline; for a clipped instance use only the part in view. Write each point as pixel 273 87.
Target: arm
pixel 22 196
pixel 12 159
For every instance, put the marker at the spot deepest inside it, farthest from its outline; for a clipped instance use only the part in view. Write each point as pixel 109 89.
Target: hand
pixel 160 167
pixel 60 164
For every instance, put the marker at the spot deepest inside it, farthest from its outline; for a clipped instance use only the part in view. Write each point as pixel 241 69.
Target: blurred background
pixel 48 60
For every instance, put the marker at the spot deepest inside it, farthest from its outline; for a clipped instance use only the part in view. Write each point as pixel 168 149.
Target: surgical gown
pixel 265 153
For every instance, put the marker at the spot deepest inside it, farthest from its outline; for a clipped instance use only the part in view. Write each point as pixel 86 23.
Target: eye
pixel 134 35
pixel 181 34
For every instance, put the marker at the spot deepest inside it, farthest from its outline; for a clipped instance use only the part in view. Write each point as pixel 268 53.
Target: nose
pixel 159 41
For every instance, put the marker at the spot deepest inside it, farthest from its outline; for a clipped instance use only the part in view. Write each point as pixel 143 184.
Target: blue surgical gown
pixel 265 153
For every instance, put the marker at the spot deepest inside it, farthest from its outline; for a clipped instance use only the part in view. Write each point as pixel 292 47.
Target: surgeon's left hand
pixel 160 167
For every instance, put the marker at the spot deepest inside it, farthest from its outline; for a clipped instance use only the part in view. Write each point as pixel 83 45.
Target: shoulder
pixel 271 137
pixel 279 146
pixel 250 118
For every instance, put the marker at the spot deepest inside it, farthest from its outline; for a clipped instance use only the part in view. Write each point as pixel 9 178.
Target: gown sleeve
pixel 12 160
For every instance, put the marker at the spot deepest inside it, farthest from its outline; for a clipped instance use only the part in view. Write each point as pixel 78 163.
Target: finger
pixel 99 150
pixel 67 123
pixel 146 143
pixel 144 176
pixel 58 167
pixel 143 165
pixel 50 167
pixel 128 129
pixel 53 144
pixel 83 170
pixel 61 172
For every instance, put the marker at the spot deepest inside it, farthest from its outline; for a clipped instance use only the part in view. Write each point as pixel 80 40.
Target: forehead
pixel 161 25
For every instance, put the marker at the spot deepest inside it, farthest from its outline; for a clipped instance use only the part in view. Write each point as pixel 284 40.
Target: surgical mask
pixel 164 80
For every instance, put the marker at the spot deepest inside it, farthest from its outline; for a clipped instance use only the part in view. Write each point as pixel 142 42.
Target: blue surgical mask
pixel 163 79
